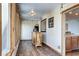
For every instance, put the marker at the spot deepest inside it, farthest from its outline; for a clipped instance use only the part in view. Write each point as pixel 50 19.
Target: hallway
pixel 34 22
pixel 26 49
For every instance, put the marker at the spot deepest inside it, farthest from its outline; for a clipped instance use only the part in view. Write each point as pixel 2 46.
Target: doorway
pixel 70 30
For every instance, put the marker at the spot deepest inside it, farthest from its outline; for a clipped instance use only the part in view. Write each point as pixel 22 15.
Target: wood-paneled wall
pixel 15 25
pixel 17 28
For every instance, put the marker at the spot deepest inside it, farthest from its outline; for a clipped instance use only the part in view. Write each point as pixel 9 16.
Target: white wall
pixel 53 35
pixel 27 29
pixel 73 26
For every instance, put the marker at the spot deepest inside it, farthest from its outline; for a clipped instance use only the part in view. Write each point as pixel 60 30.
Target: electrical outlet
pixel 58 47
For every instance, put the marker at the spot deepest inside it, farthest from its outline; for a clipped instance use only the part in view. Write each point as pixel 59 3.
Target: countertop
pixel 72 35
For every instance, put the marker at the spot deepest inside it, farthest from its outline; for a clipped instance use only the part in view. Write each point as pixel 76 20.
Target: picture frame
pixel 51 22
pixel 43 25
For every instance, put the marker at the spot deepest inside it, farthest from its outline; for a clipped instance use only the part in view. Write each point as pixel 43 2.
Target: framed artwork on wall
pixel 43 25
pixel 51 22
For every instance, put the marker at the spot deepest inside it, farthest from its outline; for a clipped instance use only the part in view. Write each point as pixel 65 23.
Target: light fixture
pixel 32 12
pixel 76 14
pixel 70 12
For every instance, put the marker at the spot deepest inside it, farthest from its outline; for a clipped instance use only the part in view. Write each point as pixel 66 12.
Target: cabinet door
pixel 39 39
pixel 68 43
pixel 33 38
pixel 78 42
pixel 74 42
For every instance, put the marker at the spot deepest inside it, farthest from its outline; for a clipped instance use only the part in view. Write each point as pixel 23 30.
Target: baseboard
pixel 52 48
pixel 16 48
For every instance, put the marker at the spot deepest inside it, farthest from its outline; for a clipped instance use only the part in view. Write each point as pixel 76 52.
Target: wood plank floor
pixel 73 53
pixel 27 49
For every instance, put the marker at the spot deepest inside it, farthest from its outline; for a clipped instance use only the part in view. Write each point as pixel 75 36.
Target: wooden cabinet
pixel 72 43
pixel 78 41
pixel 68 43
pixel 33 38
pixel 37 38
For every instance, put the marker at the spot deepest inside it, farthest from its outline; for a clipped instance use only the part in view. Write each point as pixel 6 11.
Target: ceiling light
pixel 70 12
pixel 32 13
pixel 76 13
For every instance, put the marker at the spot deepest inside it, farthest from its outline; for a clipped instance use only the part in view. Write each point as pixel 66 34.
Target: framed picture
pixel 43 25
pixel 51 22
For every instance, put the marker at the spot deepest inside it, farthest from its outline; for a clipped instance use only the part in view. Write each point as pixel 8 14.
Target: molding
pixel 16 48
pixel 53 48
pixel 67 8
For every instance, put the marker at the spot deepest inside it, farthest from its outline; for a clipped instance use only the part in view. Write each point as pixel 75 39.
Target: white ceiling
pixel 39 8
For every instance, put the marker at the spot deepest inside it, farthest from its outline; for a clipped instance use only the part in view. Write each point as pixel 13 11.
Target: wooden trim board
pixel 72 7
